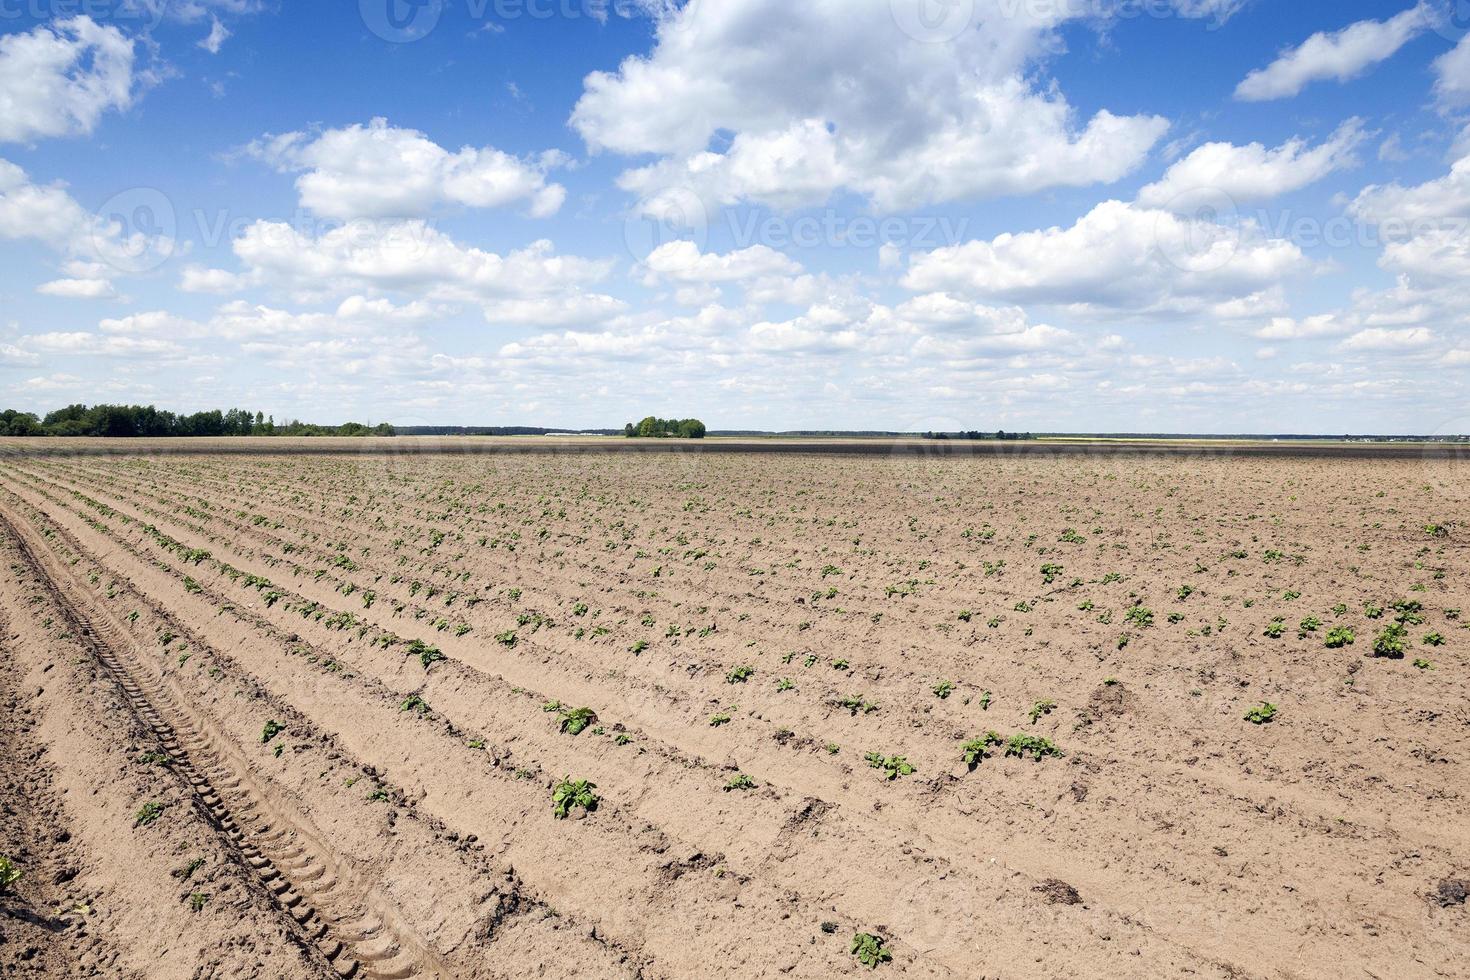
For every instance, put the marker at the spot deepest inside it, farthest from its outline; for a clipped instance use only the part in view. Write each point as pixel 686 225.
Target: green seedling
pixel 1039 748
pixel 740 782
pixel 271 730
pixel 869 950
pixel 569 794
pixel 976 750
pixel 1263 713
pixel 893 766
pixel 1340 636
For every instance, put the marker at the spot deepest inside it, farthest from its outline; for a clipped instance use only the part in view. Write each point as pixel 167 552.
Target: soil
pixel 306 714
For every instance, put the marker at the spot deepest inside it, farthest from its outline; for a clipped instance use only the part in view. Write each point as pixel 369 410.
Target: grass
pixel 569 794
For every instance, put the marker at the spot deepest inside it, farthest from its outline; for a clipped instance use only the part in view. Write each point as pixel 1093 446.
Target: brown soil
pixel 350 682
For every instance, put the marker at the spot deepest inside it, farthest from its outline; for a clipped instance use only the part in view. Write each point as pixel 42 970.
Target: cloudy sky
pixel 1083 215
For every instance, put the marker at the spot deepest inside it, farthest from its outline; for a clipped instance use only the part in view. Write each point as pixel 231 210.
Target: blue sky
pixel 1142 215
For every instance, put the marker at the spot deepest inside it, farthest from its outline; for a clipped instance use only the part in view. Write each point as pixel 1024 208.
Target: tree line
pixel 656 428
pixel 134 421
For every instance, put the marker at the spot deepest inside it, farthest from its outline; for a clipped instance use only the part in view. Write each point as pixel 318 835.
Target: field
pixel 390 714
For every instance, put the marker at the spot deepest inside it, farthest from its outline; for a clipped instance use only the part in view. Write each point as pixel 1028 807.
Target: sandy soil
pixel 357 676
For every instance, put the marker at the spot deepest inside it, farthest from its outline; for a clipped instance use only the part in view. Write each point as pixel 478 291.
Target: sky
pixel 1206 216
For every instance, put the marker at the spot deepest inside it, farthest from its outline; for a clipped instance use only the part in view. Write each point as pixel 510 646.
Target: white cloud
pixel 580 309
pixel 218 34
pixel 1452 71
pixel 58 79
pixel 787 103
pixel 1340 55
pixel 381 171
pixel 49 215
pixel 411 256
pixel 78 288
pixel 1287 328
pixel 198 279
pixel 1378 339
pixel 1118 259
pixel 682 261
pixel 1253 173
pixel 1433 201
pixel 82 343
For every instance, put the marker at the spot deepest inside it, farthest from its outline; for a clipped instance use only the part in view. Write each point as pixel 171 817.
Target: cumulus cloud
pixel 58 79
pixel 682 261
pixel 787 103
pixel 411 256
pixel 78 288
pixel 1341 55
pixel 49 215
pixel 1379 339
pixel 1119 259
pixel 216 38
pixel 382 171
pixel 1252 172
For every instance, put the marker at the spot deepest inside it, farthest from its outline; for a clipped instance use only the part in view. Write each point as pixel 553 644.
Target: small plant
pixel 740 675
pixel 856 704
pixel 893 765
pixel 1391 642
pixel 147 813
pixel 1041 708
pixel 1423 664
pixel 785 684
pixel 569 794
pixel 740 782
pixel 638 647
pixel 506 639
pixel 1140 616
pixel 976 750
pixel 1373 611
pixel 575 721
pixel 1340 636
pixel 1309 625
pixel 197 901
pixel 1433 639
pixel 720 719
pixel 1049 573
pixel 271 730
pixel 414 703
pixel 1275 628
pixel 943 690
pixel 1263 713
pixel 1040 748
pixel 869 950
pixel 10 873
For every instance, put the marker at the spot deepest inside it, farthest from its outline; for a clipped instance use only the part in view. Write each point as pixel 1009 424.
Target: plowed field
pixel 734 715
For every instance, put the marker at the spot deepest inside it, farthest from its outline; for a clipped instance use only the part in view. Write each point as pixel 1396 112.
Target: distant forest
pixel 124 421
pixel 656 428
